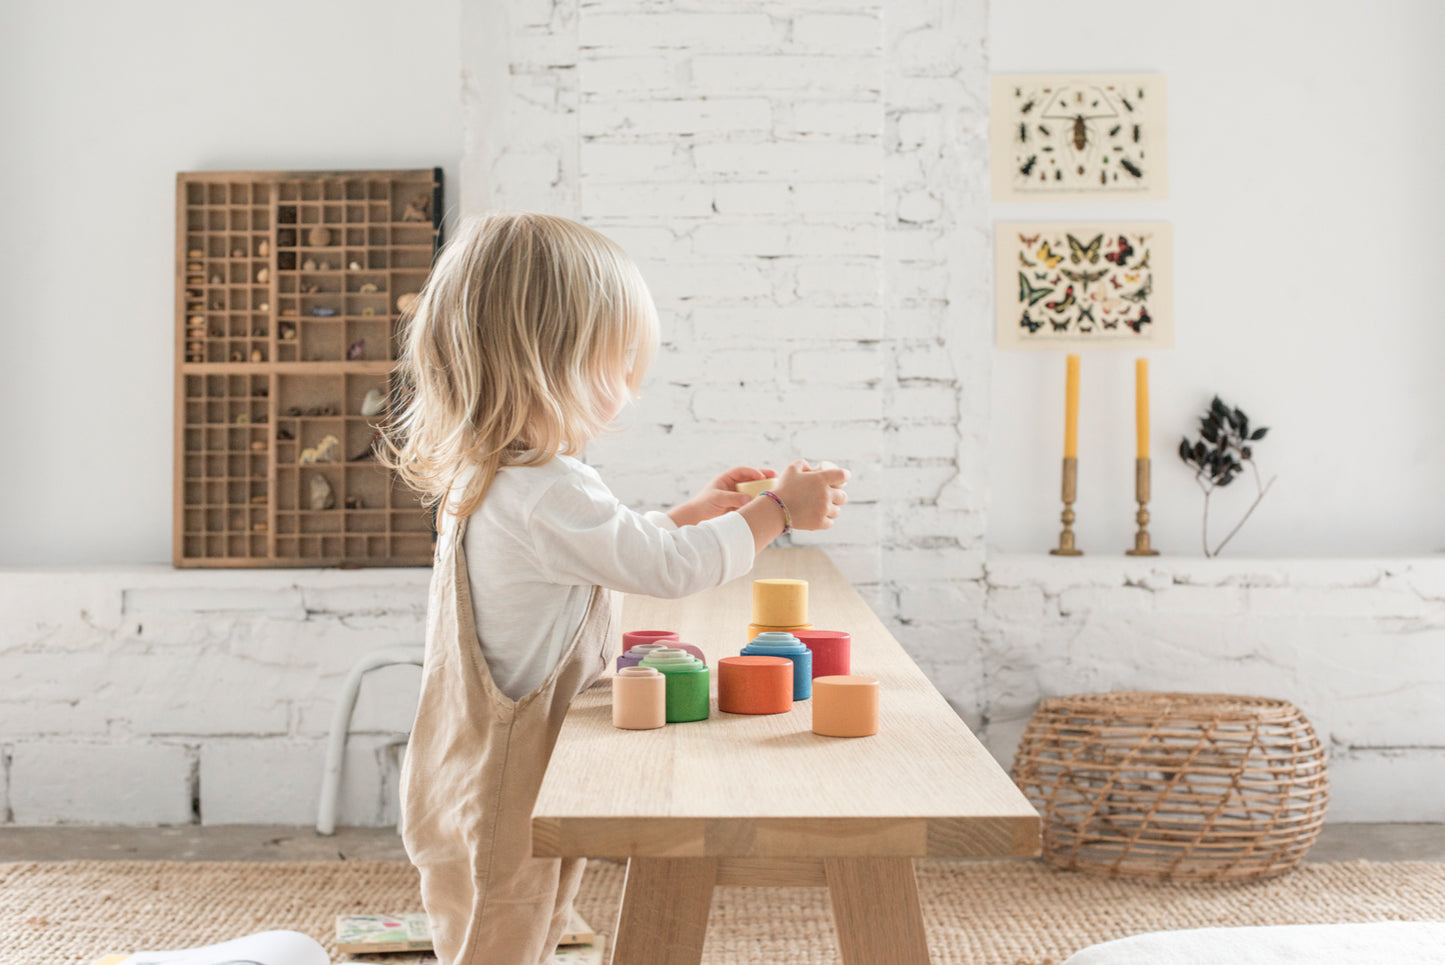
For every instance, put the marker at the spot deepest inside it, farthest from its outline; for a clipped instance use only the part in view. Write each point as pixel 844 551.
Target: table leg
pixel 664 911
pixel 875 909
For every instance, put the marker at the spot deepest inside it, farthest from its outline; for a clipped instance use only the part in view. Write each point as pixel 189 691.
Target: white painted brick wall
pixel 519 101
pixel 63 782
pixel 1355 644
pixel 749 323
pixel 151 696
pixel 154 696
pixel 241 780
pixel 787 74
pixel 639 30
pixel 837 32
pixel 767 271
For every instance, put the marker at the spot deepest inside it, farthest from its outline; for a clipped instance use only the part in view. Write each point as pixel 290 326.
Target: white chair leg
pixel 341 725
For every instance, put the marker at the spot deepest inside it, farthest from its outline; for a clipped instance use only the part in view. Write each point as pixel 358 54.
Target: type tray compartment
pixel 287 313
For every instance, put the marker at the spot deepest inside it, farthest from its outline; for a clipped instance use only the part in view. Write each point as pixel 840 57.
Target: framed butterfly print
pixel 1084 285
pixel 1078 137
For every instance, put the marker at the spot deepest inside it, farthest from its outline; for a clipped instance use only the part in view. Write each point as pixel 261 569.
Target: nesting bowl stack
pixel 686 683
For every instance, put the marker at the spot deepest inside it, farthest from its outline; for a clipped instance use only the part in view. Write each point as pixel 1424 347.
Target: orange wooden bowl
pixel 755 685
pixel 756 628
pixel 845 706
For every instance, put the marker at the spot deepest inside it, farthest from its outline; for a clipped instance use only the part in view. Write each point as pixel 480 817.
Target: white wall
pixel 151 695
pixel 1305 143
pixel 147 695
pixel 1282 169
pixel 100 105
pixel 798 183
pixel 805 183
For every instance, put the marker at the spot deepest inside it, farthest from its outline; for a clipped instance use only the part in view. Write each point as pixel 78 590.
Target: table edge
pixel 995 836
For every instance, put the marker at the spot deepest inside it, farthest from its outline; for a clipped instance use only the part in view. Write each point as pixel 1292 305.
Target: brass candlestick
pixel 1141 495
pixel 1071 487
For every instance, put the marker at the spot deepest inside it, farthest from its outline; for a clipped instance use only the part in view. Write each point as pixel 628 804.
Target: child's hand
pixel 814 497
pixel 719 496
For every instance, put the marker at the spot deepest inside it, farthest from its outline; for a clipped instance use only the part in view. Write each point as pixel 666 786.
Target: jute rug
pixel 977 913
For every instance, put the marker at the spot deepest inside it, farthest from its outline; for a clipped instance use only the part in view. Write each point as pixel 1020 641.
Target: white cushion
pixel 1379 943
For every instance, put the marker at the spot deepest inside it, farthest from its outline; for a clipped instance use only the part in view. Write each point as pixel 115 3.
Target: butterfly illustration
pixel 1025 262
pixel 1120 255
pixel 1143 262
pixel 1110 323
pixel 1042 276
pixel 1086 314
pixel 1131 279
pixel 1028 293
pixel 1029 242
pixel 1084 277
pixel 1048 257
pixel 1060 326
pixel 1030 324
pixel 1080 252
pixel 1106 301
pixel 1142 292
pixel 1060 304
pixel 1138 324
pixel 1115 282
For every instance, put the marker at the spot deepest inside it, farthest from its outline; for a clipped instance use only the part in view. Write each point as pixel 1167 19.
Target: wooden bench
pixel 736 800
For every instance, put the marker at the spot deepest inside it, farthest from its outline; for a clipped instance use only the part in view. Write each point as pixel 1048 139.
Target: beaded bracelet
pixel 787 519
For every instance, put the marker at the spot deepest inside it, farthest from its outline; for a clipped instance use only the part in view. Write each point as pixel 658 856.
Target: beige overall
pixel 471 776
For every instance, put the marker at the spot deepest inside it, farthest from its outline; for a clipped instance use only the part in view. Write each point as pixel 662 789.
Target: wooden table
pixel 740 800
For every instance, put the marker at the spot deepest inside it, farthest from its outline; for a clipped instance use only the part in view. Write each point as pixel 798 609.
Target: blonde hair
pixel 523 334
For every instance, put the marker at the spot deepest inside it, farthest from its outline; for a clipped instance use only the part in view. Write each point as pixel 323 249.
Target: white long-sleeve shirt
pixel 544 536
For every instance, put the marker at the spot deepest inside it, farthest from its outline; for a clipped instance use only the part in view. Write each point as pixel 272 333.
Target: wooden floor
pixel 1339 842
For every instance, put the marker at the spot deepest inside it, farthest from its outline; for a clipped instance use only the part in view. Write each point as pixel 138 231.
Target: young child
pixel 529 337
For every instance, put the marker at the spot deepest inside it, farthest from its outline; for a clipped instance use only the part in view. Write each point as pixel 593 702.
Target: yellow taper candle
pixel 1071 410
pixel 1141 405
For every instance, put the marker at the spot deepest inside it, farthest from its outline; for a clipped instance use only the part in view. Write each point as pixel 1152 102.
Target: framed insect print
pixel 1084 285
pixel 1078 137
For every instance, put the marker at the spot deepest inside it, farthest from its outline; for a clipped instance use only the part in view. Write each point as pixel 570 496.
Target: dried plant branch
pixel 1219 455
pixel 1247 513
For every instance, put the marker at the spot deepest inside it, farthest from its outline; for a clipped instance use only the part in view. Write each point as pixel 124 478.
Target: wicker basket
pixel 1174 786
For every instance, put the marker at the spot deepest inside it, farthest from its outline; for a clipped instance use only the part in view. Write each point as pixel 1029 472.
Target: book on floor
pixel 578 932
pixel 262 948
pixel 406 932
pixel 409 932
pixel 578 954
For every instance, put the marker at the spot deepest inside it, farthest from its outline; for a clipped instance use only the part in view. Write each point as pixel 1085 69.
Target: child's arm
pixel 718 497
pixel 582 534
pixel 814 498
pixel 805 488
